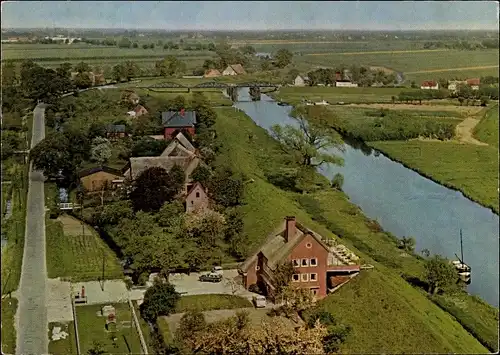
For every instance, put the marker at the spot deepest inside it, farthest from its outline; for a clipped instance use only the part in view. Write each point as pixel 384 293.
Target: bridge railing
pixel 68 206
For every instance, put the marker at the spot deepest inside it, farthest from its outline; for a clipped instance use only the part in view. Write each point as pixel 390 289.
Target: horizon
pixel 253 16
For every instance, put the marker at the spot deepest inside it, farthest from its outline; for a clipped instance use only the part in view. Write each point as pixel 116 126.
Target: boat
pixel 281 103
pixel 463 270
pixel 322 103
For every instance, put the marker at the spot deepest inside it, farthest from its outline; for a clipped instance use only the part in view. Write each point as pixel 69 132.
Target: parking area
pixel 190 285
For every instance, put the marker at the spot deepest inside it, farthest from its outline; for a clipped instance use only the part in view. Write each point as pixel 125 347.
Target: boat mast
pixel 461 247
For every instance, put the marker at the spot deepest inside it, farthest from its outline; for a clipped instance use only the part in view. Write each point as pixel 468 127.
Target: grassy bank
pixel 471 169
pixel 211 302
pixel 9 307
pixel 387 298
pixel 487 130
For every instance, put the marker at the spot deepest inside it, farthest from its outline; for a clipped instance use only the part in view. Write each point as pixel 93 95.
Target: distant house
pixel 180 146
pixel 94 179
pixel 318 262
pixel 178 121
pixel 345 84
pixel 196 198
pixel 453 85
pixel 474 83
pixel 301 80
pixel 98 79
pixel 430 85
pixel 130 97
pixel 137 165
pixel 212 73
pixel 234 69
pixel 138 111
pixel 116 131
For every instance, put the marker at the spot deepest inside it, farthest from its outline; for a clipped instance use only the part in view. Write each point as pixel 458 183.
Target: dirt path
pixel 464 131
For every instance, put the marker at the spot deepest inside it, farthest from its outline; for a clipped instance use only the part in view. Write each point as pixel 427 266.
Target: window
pixel 197 195
pixel 309 245
pixel 314 291
pixel 257 267
pixel 192 202
pixel 304 277
pixel 314 262
pixel 296 262
pixel 295 277
pixel 305 262
pixel 313 277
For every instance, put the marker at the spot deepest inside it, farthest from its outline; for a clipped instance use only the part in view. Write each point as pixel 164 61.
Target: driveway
pixel 190 285
pixel 31 316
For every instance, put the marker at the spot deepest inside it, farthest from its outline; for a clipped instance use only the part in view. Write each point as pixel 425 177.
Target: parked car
pixel 259 301
pixel 217 270
pixel 211 277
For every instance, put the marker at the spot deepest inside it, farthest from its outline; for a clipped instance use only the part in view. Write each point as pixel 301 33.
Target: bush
pixel 159 300
pixel 338 181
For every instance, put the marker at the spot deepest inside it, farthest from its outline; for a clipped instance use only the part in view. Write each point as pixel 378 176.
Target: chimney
pixel 290 228
pixel 182 112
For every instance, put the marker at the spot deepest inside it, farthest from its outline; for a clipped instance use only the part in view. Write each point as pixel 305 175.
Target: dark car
pixel 210 278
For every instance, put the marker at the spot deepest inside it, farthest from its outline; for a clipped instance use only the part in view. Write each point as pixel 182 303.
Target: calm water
pixel 407 204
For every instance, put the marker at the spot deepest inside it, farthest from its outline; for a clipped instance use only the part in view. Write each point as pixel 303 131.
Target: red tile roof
pixel 474 81
pixel 429 83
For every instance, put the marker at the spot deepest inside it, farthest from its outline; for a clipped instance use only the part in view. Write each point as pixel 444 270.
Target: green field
pixel 215 97
pixel 469 168
pixel 487 130
pixel 211 302
pixel 387 299
pixel 91 328
pixel 77 255
pixel 9 307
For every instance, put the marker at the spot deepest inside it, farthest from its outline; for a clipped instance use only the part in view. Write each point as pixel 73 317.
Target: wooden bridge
pixel 69 206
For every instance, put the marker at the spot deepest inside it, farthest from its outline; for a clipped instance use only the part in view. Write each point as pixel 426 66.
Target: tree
pixel 124 43
pixel 225 189
pixel 202 174
pixel 52 155
pixel 159 300
pixel 176 104
pixel 336 333
pixel 169 212
pixel 192 321
pixel 9 76
pixel 145 46
pixel 169 66
pixel 101 150
pixel 248 50
pixel 130 70
pixel 155 186
pixel 407 244
pixel 484 101
pixel 338 181
pixel 135 45
pixel 439 274
pixel 82 68
pixel 96 349
pixel 282 277
pixel 308 141
pixel 283 57
pixel 117 72
pixel 83 81
pixel 209 64
pixel 148 147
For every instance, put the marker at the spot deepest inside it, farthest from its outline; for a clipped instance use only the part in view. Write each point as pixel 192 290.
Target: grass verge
pixel 211 302
pixel 414 321
pixel 9 307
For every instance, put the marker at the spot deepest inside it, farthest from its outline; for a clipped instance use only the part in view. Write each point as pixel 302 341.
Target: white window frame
pixel 315 262
pixel 257 267
pixel 314 291
pixel 296 261
pixel 302 262
pixel 304 277
pixel 298 278
pixel 315 277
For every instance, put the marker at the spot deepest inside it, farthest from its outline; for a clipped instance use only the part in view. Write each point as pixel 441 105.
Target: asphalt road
pixel 32 326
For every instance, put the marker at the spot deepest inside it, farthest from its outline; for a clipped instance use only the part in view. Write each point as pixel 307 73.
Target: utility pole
pixel 103 263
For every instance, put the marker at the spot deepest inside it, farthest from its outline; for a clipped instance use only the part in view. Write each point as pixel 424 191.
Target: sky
pixel 252 15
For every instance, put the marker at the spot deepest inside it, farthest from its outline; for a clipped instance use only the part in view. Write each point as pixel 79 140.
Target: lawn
pixel 294 95
pixel 62 346
pixel 77 254
pixel 215 97
pixel 211 302
pixel 91 328
pixel 487 130
pixel 471 169
pixel 426 327
pixel 9 307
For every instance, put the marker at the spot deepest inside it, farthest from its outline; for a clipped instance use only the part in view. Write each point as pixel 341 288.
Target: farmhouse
pixel 342 81
pixel 178 121
pixel 137 165
pixel 300 81
pixel 474 83
pixel 453 85
pixel 319 265
pixel 429 85
pixel 97 178
pixel 212 73
pixel 196 198
pixel 138 111
pixel 115 131
pixel 234 69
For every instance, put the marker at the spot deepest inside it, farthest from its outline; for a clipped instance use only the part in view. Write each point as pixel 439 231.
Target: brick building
pixel 182 121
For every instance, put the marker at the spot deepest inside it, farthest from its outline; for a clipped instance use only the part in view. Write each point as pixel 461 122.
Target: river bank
pixel 401 318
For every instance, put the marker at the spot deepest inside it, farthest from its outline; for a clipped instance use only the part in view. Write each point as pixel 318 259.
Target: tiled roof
pixel 174 119
pixel 429 83
pixel 97 169
pixel 238 68
pixel 475 81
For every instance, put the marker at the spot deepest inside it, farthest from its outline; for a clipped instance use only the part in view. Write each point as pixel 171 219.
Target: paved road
pixel 32 326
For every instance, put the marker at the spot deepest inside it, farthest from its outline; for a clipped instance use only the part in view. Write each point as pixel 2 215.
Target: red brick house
pixel 474 83
pixel 318 262
pixel 196 198
pixel 182 121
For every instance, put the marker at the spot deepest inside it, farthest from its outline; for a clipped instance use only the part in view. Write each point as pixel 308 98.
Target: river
pixel 408 204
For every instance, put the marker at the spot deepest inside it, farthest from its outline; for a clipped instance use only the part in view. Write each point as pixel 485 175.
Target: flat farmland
pixel 410 61
pixel 294 95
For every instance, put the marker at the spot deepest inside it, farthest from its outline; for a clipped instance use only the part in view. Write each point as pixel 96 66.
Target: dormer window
pixel 197 195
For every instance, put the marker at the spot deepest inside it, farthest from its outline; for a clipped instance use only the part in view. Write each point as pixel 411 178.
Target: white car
pixel 259 301
pixel 217 270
